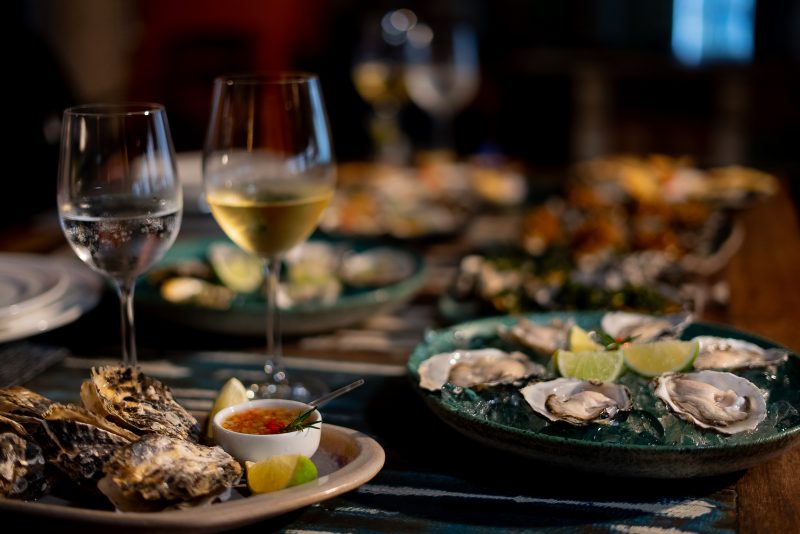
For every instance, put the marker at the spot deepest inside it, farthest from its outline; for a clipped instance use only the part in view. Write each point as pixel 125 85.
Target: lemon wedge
pixel 279 472
pixel 580 341
pixel 236 269
pixel 658 357
pixel 232 392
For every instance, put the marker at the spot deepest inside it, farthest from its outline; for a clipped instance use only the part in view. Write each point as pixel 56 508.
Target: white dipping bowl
pixel 257 447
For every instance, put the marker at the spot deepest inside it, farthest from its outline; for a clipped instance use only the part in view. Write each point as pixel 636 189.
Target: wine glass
pixel 119 199
pixel 268 174
pixel 377 73
pixel 442 73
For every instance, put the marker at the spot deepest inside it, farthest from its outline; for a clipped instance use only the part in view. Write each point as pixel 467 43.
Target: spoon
pixel 336 393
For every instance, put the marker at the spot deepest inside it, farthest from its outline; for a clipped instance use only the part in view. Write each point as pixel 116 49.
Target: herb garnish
pixel 301 422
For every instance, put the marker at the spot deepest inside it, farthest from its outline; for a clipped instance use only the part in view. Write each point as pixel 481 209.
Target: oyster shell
pixel 160 472
pixel 20 400
pixel 22 468
pixel 728 353
pixel 544 339
pixel 578 402
pixel 467 368
pixel 715 400
pixel 137 402
pixel 643 328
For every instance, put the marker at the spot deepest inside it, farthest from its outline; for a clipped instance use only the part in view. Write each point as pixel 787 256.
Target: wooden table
pixel 763 282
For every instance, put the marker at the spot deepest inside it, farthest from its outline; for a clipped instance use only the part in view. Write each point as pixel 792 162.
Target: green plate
pixel 247 314
pixel 650 442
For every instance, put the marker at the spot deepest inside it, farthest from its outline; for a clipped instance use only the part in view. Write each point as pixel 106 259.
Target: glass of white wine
pixel 268 174
pixel 119 198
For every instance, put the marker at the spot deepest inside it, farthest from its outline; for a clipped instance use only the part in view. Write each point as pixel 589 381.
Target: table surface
pixel 762 279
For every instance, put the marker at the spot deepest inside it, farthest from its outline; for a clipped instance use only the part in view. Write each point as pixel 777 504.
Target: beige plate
pixel 346 459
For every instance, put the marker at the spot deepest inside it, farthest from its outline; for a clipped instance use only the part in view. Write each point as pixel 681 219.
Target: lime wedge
pixel 579 340
pixel 658 357
pixel 232 392
pixel 279 472
pixel 605 366
pixel 238 270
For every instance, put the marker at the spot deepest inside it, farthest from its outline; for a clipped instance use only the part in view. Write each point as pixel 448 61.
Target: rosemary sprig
pixel 609 342
pixel 301 422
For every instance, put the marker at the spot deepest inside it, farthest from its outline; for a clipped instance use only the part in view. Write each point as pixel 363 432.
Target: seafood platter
pixel 325 284
pixel 433 198
pixel 130 455
pixel 638 233
pixel 618 393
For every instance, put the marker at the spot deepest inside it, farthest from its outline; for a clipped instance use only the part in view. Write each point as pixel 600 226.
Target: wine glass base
pixel 303 389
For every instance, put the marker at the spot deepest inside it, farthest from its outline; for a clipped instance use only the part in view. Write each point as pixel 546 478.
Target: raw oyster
pixel 544 339
pixel 578 402
pixel 19 400
pixel 725 353
pixel 716 400
pixel 137 402
pixel 467 368
pixel 380 266
pixel 160 472
pixel 643 328
pixel 22 468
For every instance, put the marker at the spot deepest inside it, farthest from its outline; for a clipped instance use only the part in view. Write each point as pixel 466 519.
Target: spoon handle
pixel 337 392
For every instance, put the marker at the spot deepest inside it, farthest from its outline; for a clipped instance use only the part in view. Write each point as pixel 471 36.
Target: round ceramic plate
pixel 650 442
pixel 346 459
pixel 27 283
pixel 75 290
pixel 246 316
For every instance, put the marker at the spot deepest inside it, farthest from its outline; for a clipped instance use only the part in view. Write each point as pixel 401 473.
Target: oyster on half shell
pixel 544 339
pixel 643 328
pixel 468 368
pixel 724 353
pixel 715 400
pixel 578 402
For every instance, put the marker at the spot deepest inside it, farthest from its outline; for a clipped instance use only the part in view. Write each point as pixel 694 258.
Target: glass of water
pixel 119 198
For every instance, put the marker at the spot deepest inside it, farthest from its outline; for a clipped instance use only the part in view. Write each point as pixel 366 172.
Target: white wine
pixel 270 222
pixel 121 241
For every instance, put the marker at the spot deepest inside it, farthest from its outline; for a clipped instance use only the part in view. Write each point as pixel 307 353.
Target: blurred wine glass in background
pixel 377 73
pixel 442 74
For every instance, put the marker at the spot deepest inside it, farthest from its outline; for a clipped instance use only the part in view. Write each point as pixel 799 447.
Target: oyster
pixel 544 339
pixel 137 402
pixel 643 328
pixel 22 468
pixel 467 368
pixel 380 266
pixel 160 472
pixel 578 402
pixel 19 400
pixel 724 353
pixel 716 400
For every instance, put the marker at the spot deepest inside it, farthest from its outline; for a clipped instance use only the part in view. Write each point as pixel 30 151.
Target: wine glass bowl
pixel 119 199
pixel 268 174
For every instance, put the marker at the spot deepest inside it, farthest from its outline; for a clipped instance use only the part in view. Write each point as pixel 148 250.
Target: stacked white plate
pixel 40 293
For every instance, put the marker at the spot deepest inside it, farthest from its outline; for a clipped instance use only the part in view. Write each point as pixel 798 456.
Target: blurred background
pixel 547 83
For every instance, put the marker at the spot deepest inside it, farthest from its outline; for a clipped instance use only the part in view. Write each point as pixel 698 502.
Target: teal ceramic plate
pixel 650 442
pixel 246 315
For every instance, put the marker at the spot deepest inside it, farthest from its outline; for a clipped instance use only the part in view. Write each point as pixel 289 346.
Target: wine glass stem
pixel 274 364
pixel 443 132
pixel 125 292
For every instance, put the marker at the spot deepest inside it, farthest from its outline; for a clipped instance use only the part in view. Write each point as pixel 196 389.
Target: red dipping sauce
pixel 262 421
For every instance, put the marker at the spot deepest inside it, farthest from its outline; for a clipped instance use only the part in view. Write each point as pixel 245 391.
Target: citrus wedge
pixel 580 341
pixel 605 366
pixel 232 392
pixel 658 357
pixel 279 472
pixel 236 269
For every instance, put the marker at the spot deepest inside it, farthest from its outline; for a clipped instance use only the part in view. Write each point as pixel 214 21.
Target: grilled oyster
pixel 543 339
pixel 723 353
pixel 22 468
pixel 578 402
pixel 160 472
pixel 137 402
pixel 468 368
pixel 643 328
pixel 715 400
